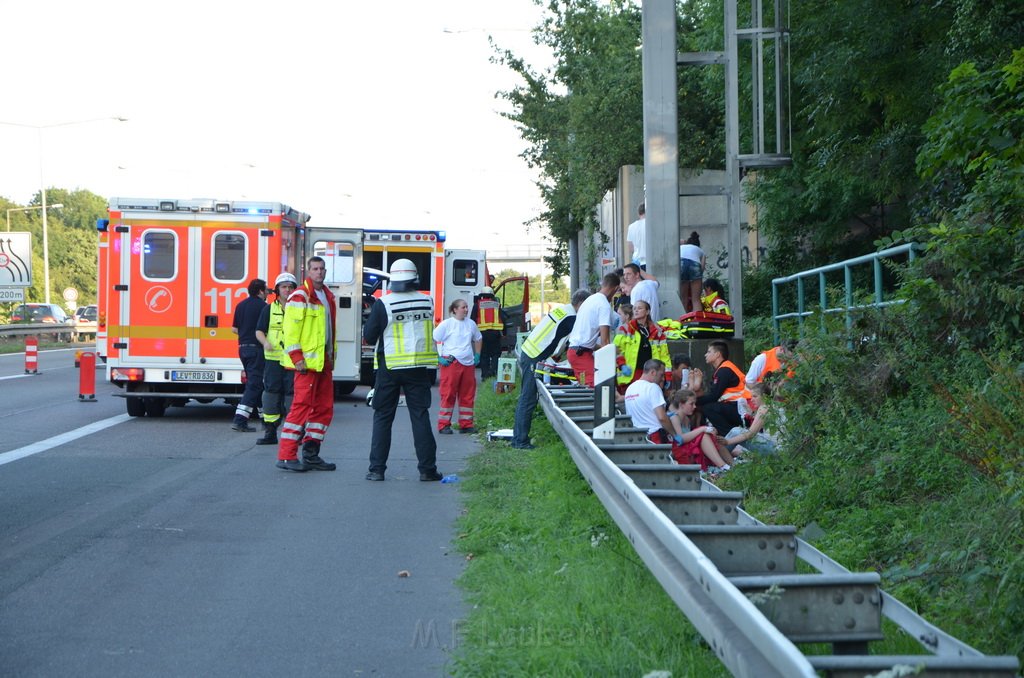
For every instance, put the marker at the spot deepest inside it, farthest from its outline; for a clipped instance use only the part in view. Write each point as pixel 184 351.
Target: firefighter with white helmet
pixel 277 381
pixel 400 326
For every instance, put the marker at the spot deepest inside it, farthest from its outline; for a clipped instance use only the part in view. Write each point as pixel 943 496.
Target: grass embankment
pixel 17 345
pixel 554 587
pixel 907 456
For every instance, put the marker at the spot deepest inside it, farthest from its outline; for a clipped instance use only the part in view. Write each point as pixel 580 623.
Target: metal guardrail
pixel 698 579
pixel 25 329
pixel 848 307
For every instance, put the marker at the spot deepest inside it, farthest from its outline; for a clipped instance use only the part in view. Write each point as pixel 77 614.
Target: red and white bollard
pixel 87 377
pixel 31 355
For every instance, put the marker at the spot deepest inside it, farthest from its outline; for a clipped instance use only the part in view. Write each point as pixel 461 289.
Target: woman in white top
pixel 459 342
pixel 691 272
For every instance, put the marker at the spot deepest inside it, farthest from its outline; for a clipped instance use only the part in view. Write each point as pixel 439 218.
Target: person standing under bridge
pixel 487 316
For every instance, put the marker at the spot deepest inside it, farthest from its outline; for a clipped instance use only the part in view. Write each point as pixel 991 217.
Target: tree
pixel 71 232
pixel 584 119
pixel 970 285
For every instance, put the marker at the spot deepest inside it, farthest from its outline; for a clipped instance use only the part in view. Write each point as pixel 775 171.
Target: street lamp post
pixel 42 185
pixel 56 205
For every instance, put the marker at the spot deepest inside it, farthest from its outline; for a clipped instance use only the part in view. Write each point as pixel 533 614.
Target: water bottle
pixel 450 479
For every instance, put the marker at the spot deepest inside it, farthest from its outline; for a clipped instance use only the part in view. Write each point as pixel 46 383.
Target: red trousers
pixel 583 367
pixel 312 411
pixel 686 453
pixel 458 382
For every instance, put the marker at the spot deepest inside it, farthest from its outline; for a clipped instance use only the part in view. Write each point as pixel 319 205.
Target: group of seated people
pixel 711 424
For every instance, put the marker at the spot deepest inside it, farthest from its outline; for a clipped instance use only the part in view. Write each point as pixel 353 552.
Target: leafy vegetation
pixel 907 448
pixel 71 232
pixel 902 440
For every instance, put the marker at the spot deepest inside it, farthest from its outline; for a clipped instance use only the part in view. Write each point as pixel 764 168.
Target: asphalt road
pixel 174 547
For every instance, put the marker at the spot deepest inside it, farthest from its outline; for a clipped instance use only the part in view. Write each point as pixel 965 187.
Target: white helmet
pixel 403 270
pixel 285 277
pixel 487 290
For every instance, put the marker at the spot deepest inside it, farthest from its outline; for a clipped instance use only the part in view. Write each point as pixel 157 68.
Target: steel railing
pixel 849 306
pixel 736 629
pixel 25 329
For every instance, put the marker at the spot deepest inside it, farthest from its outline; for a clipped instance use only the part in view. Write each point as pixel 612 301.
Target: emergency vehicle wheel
pixel 136 408
pixel 343 388
pixel 155 407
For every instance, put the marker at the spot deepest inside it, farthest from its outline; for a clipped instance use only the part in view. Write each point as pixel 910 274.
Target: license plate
pixel 193 375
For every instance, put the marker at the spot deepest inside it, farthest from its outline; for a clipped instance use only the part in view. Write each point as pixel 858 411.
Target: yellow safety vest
pixel 408 338
pixel 489 315
pixel 543 336
pixel 715 304
pixel 628 344
pixel 305 328
pixel 275 333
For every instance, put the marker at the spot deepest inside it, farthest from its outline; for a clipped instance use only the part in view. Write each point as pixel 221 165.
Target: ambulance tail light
pixel 127 374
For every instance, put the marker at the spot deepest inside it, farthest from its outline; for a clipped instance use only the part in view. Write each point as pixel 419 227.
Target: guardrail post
pixel 800 306
pixel 31 355
pixel 87 377
pixel 775 313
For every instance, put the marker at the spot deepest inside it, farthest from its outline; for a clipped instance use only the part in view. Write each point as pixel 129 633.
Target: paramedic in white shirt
pixel 642 286
pixel 645 402
pixel 592 330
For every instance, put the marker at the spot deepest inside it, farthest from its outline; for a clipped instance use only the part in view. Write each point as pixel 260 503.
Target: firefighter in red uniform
pixel 487 316
pixel 309 320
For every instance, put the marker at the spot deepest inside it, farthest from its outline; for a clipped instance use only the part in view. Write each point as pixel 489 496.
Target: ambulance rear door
pixel 464 276
pixel 229 250
pixel 185 275
pixel 151 288
pixel 342 251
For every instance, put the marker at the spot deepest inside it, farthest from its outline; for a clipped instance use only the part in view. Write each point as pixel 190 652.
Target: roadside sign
pixel 12 295
pixel 70 294
pixel 16 259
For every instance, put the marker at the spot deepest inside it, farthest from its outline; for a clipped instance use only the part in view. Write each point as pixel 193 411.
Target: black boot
pixel 269 434
pixel 311 457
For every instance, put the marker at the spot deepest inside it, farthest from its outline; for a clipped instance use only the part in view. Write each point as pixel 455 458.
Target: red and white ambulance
pixel 170 275
pixel 172 271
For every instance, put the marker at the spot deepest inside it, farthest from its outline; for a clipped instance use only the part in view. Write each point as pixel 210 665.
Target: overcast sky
pixel 364 114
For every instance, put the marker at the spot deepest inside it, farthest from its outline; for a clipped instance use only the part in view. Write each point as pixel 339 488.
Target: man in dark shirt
pixel 719 404
pixel 247 315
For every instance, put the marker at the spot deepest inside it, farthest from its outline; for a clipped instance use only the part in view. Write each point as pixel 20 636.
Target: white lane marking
pixel 50 443
pixel 21 354
pixel 17 376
